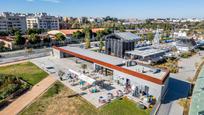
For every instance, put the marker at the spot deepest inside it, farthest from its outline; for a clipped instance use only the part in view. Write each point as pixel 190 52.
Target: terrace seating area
pixel 94 86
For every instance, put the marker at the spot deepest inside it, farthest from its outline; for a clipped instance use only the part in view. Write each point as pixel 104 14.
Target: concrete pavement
pixel 26 99
pixel 187 67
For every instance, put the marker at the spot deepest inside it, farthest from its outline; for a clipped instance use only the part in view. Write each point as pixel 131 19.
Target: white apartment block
pixel 42 21
pixel 10 21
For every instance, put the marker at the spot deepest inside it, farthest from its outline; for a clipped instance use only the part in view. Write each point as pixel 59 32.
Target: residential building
pixel 8 41
pixel 68 32
pixel 118 43
pixel 42 21
pixel 12 21
pixel 82 20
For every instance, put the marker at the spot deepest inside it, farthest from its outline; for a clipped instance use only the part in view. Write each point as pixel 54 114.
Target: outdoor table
pixel 110 95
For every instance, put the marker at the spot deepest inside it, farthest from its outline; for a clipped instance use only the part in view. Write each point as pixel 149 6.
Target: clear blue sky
pixel 115 8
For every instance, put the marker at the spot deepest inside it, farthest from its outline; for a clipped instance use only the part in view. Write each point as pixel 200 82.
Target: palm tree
pixel 101 45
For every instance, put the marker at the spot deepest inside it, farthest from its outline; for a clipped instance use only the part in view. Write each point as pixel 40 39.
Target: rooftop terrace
pixel 95 55
pixel 153 72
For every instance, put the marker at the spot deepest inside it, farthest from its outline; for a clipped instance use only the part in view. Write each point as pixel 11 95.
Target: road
pixel 179 86
pixel 177 89
pixel 187 67
pixel 26 99
pixel 23 57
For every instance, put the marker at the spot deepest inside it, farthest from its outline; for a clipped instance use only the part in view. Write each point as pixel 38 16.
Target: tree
pixel 75 25
pixel 3 33
pixel 107 31
pixel 14 31
pixel 88 34
pixel 34 31
pixel 150 36
pixel 88 40
pixel 19 40
pixel 101 45
pixel 60 37
pixel 47 39
pixel 78 35
pixel 2 44
pixel 99 35
pixel 34 39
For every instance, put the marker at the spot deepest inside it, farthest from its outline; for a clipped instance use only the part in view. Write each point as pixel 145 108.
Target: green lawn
pixel 123 107
pixel 27 71
pixel 56 101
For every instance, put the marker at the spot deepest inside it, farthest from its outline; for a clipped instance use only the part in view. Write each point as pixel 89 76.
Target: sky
pixel 115 8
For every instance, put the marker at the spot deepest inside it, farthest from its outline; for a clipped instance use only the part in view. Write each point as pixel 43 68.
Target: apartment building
pixel 42 21
pixel 10 21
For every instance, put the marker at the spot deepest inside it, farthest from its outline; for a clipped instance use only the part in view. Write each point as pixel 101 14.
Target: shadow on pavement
pixel 176 89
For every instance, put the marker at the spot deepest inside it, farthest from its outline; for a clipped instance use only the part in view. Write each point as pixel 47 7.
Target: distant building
pixel 8 41
pixel 118 43
pixel 146 54
pixel 184 44
pixel 12 21
pixel 68 32
pixel 42 21
pixel 179 34
pixel 82 20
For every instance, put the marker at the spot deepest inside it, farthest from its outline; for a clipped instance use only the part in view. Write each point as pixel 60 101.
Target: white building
pixel 42 21
pixel 141 78
pixel 180 34
pixel 12 21
pixel 184 44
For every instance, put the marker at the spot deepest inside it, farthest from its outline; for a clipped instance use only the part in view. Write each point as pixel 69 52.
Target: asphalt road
pixel 20 58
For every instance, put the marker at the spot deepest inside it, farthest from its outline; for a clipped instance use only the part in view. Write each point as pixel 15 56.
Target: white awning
pixel 74 72
pixel 87 79
pixel 83 77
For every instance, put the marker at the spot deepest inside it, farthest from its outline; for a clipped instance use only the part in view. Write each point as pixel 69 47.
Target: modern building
pixel 141 78
pixel 146 54
pixel 118 43
pixel 12 21
pixel 185 44
pixel 42 21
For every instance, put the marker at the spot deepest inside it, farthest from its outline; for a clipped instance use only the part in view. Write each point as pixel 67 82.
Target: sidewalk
pixel 20 103
pixel 13 63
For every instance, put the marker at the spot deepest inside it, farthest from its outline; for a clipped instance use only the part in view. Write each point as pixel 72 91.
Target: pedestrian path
pixel 26 99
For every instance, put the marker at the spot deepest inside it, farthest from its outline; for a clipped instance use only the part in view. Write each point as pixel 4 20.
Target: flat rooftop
pixel 145 51
pixel 147 71
pixel 116 63
pixel 95 55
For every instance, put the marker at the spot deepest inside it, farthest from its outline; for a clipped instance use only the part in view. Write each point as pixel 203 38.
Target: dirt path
pixel 20 103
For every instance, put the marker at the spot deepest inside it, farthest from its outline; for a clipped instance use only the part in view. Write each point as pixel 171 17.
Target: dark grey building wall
pixel 117 47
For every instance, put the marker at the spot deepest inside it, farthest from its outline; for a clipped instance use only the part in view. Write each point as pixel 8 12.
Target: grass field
pixel 55 101
pixel 27 71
